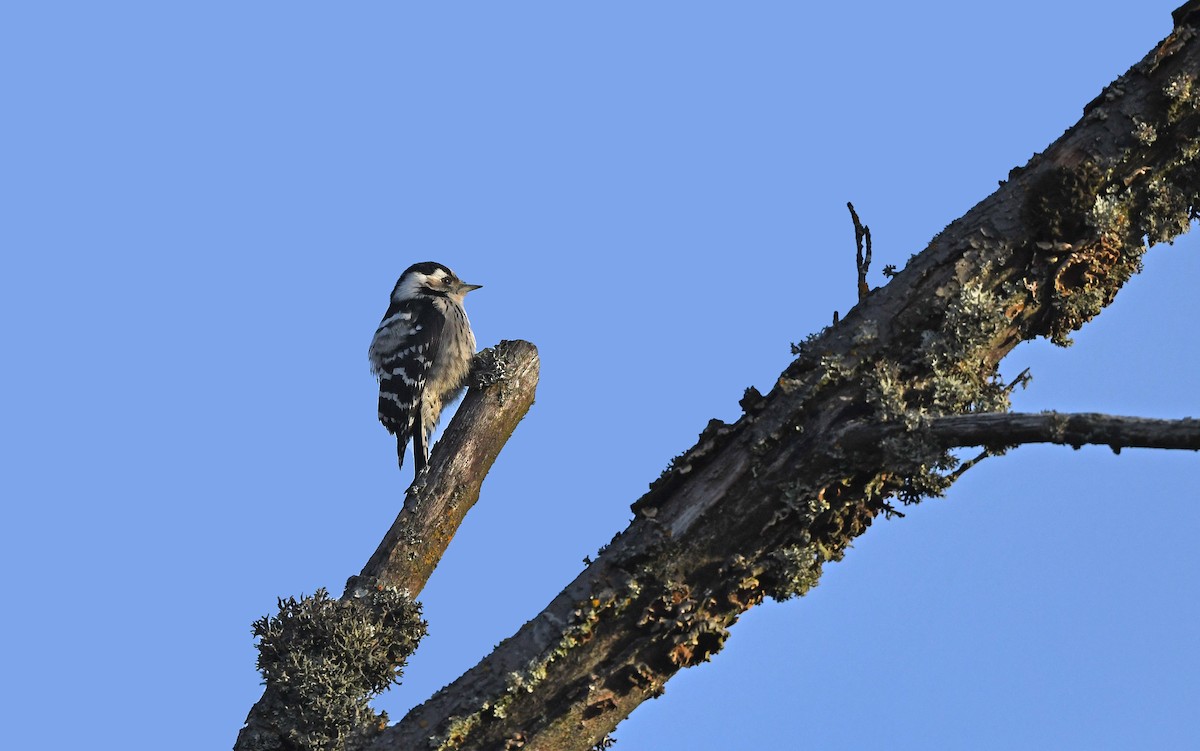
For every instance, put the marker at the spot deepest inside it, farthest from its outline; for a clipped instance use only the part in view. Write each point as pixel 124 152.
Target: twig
pixel 862 257
pixel 1023 378
pixel 1005 429
pixel 962 468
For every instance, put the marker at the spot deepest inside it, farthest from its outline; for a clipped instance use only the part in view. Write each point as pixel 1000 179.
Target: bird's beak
pixel 465 288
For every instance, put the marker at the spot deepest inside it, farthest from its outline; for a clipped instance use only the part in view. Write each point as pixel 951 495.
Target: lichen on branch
pixel 323 661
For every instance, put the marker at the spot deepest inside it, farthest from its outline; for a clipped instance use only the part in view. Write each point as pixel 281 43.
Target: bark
pixel 755 508
pixel 1113 431
pixel 317 685
pixel 440 497
pixel 1010 429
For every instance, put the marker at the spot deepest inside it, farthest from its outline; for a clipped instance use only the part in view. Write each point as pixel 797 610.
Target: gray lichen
pixel 1145 132
pixel 1167 212
pixel 489 367
pixel 323 660
pixel 1180 91
pixel 460 730
pixel 792 570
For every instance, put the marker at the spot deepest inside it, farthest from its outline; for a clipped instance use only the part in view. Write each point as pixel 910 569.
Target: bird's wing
pixel 413 330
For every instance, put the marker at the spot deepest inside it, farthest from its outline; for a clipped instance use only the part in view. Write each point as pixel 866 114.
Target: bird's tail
pixel 420 449
pixel 401 445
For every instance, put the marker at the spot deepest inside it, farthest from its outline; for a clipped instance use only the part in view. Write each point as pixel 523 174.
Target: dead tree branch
pixel 439 498
pixel 757 507
pixel 323 660
pixel 1008 429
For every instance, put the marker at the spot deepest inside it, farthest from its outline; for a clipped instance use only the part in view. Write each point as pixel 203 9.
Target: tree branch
pixel 756 508
pixel 312 655
pixel 1013 429
pixel 435 505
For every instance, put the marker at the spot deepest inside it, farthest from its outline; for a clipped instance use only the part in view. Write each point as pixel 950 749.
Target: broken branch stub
pixel 503 383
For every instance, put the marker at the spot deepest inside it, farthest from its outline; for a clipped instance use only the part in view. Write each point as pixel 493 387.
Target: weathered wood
pixel 1012 429
pixel 503 381
pixel 756 507
pixel 441 495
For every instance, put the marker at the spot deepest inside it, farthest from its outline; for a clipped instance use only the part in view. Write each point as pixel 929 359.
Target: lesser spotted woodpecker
pixel 421 354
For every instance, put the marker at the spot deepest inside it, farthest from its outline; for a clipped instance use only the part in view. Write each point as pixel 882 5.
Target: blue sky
pixel 207 205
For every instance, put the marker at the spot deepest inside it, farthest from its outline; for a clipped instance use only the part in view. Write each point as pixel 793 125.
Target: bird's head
pixel 430 279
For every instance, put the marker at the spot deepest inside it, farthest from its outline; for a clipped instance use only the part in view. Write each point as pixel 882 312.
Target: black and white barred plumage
pixel 421 354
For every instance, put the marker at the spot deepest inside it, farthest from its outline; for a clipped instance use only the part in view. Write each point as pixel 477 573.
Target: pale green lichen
pixel 323 660
pixel 885 390
pixel 792 570
pixel 834 369
pixel 1110 213
pixel 1180 90
pixel 961 380
pixel 1144 132
pixel 1167 211
pixel 949 375
pixel 525 681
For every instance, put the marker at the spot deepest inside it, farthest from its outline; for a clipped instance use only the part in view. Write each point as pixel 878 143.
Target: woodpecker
pixel 421 354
